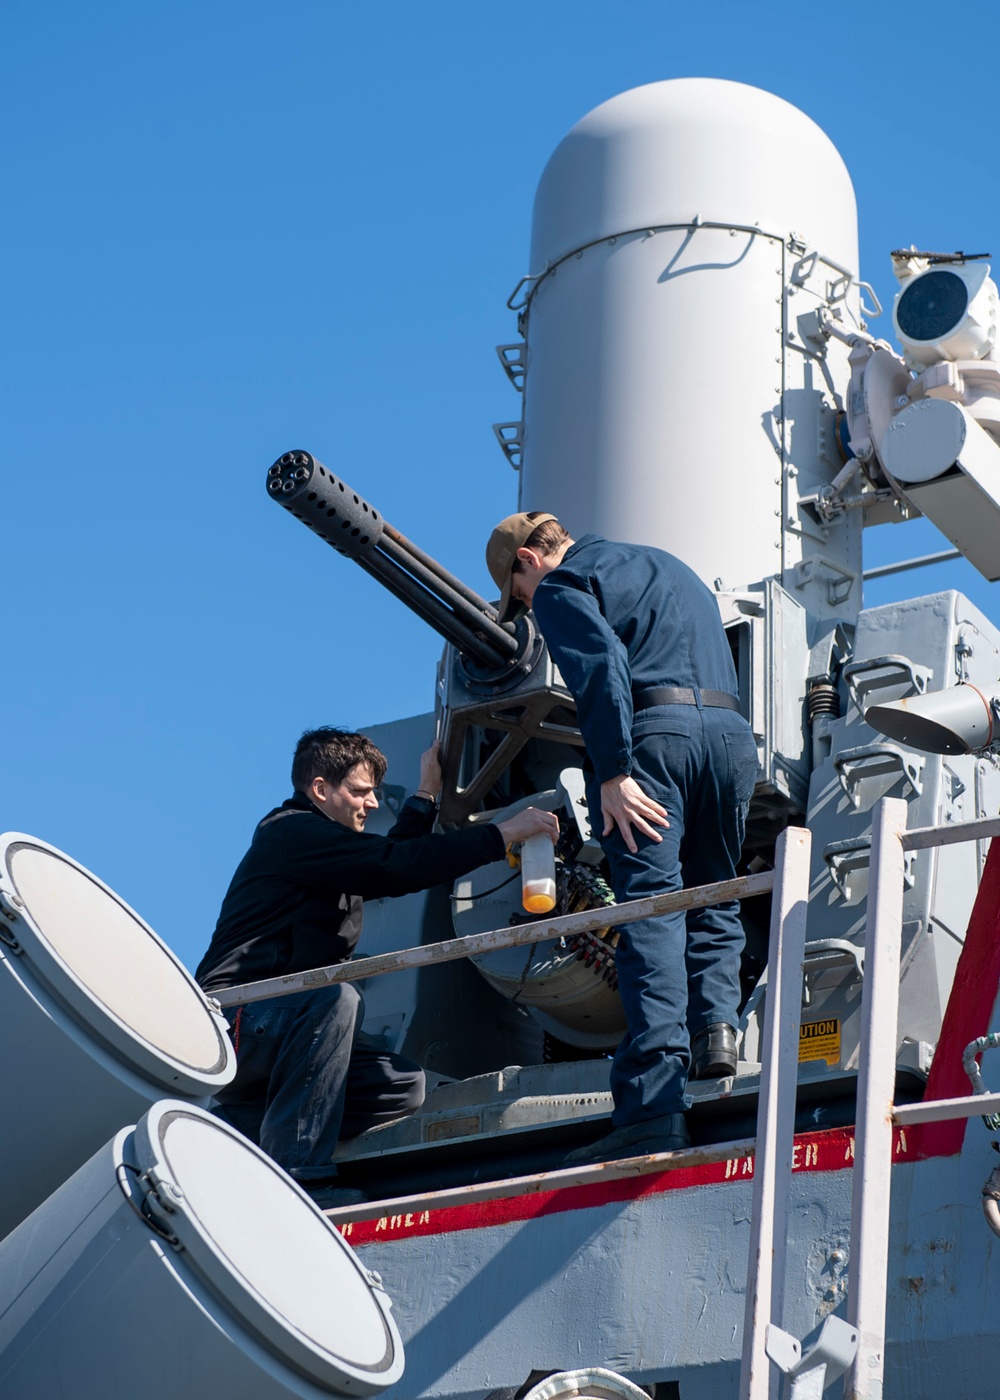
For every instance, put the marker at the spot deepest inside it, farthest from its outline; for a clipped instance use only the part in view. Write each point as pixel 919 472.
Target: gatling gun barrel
pixel 345 520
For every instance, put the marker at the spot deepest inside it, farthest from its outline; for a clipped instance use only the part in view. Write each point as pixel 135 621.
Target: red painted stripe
pixel 967 1014
pixel 828 1151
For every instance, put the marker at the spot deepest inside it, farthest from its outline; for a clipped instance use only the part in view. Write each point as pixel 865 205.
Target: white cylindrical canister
pixel 677 389
pixel 98 1020
pixel 180 1260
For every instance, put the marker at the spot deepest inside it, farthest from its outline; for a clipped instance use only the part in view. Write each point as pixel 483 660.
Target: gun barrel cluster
pixel 345 520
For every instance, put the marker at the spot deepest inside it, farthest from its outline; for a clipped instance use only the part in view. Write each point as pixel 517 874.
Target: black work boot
pixel 713 1052
pixel 668 1133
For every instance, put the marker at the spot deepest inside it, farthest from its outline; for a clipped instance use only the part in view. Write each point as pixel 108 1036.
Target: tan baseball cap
pixel 505 541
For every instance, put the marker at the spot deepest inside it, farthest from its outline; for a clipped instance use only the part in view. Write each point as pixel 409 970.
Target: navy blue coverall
pixel 620 619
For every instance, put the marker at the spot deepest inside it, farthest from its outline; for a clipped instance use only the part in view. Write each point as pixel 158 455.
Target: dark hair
pixel 331 754
pixel 544 538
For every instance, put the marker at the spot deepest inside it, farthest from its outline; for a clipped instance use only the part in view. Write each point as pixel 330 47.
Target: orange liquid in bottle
pixel 538 874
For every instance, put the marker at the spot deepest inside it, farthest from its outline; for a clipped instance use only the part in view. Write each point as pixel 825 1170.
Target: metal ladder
pixel 857 1346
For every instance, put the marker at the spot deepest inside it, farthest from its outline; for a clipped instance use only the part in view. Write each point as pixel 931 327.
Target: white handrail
pixel 921 838
pixel 941 1110
pixel 876 1088
pixel 776 1110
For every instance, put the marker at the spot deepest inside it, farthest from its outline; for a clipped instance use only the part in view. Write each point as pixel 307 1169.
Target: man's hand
pixel 528 823
pixel 624 804
pixel 430 771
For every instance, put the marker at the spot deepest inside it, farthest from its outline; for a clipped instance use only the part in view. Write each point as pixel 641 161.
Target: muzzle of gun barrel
pixel 326 504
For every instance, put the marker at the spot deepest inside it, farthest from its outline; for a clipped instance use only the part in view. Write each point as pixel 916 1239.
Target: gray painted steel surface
pixel 652 1286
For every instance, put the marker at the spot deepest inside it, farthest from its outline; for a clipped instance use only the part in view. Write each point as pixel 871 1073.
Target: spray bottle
pixel 538 874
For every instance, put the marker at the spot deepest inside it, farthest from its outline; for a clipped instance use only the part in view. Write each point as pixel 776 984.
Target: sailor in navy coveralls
pixel 639 641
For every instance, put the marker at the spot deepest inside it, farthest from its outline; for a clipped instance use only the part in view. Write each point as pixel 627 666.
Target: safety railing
pixel 471 945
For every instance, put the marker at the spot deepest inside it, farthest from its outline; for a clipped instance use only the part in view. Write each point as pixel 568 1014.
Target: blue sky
pixel 234 228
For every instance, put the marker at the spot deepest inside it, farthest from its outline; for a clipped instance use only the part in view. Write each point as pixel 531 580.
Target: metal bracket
pixel 838 289
pixel 814 568
pixel 900 671
pixel 963 650
pixel 832 950
pixel 529 280
pixel 870 771
pixel 849 861
pixel 508 435
pixel 11 908
pixel 515 363
pixel 524 716
pixel 811 1371
pixel 147 1187
pixel 875 309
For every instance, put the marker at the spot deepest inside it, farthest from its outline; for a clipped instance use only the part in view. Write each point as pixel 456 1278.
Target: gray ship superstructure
pixel 693 371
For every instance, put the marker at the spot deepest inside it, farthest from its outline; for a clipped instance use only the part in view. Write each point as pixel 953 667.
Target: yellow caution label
pixel 820 1040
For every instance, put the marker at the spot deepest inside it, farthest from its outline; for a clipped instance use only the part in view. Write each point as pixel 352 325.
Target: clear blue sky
pixel 234 228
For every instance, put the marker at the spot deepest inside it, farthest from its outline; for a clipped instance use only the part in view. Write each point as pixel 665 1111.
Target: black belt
pixel 683 695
